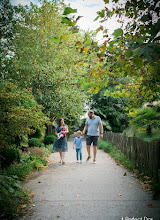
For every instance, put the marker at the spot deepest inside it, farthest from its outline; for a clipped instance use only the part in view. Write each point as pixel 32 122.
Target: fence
pixel 144 155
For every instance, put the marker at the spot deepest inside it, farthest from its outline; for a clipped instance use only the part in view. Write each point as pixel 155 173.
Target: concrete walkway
pixel 89 191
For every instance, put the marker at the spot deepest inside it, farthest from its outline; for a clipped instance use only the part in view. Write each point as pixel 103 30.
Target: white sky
pixel 87 9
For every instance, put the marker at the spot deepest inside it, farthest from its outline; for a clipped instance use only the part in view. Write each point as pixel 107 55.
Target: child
pixel 61 134
pixel 78 143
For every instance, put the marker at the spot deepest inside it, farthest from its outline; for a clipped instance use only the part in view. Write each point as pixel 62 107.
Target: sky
pixel 88 9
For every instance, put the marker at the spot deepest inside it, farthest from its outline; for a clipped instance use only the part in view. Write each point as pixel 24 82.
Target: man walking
pixel 92 125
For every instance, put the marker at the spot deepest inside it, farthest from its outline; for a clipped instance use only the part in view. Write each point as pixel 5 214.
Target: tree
pixel 20 114
pixel 111 110
pixel 47 58
pixel 146 119
pixel 133 52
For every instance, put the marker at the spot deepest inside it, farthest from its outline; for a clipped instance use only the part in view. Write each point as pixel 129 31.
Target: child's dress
pixel 60 145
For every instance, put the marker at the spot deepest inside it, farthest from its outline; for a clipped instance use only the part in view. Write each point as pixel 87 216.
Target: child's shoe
pixel 77 161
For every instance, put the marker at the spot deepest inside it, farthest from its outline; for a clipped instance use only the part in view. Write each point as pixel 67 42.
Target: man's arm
pixel 84 130
pixel 101 130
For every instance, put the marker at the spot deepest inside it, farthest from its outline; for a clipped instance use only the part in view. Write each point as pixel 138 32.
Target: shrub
pixel 35 142
pixel 39 133
pixel 106 146
pixel 37 151
pixel 12 196
pixel 8 155
pixel 50 139
pixel 19 170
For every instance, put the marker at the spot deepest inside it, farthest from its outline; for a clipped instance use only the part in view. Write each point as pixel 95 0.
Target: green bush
pixel 49 139
pixel 29 161
pixel 35 142
pixel 19 170
pixel 12 196
pixel 115 153
pixel 8 155
pixel 40 133
pixel 106 146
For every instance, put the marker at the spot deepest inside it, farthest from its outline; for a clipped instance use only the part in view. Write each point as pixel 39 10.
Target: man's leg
pixel 89 150
pixel 88 143
pixel 94 152
pixel 95 143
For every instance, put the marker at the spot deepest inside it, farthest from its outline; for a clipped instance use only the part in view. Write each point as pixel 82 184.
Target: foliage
pixel 132 52
pixel 49 139
pixel 39 133
pixel 35 142
pixel 117 155
pixel 12 196
pixel 19 114
pixel 111 110
pixel 106 146
pixel 8 155
pixel 146 118
pixel 48 60
pixel 29 161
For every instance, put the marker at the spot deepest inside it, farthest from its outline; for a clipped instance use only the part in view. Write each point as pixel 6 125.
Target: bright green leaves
pixel 69 10
pixel 101 13
pixel 55 39
pixel 65 20
pixel 88 42
pixel 118 32
pixel 106 1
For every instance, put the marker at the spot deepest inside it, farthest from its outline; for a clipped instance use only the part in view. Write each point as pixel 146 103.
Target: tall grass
pixel 115 153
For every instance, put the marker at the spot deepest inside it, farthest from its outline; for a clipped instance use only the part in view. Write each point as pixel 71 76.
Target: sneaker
pixel 77 161
pixel 88 158
pixel 94 161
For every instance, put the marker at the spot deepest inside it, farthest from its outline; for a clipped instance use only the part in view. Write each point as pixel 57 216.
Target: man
pixel 92 125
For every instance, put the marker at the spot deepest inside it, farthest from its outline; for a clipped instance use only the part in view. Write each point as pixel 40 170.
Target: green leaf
pixel 88 42
pixel 64 37
pixel 107 93
pixel 129 53
pixel 96 18
pixel 55 39
pixel 118 32
pixel 127 14
pixel 69 10
pixel 65 20
pixel 101 13
pixel 106 1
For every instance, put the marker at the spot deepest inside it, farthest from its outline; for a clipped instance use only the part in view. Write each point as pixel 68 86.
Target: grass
pixel 115 153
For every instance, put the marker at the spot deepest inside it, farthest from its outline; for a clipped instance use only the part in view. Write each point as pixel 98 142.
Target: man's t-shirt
pixel 78 142
pixel 93 125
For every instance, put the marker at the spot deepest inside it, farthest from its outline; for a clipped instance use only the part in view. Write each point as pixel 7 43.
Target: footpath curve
pixel 88 191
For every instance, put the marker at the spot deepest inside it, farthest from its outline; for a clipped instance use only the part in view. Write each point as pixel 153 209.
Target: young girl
pixel 78 143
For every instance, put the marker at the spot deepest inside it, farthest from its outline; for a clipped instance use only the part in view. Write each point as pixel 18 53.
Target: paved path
pixel 89 191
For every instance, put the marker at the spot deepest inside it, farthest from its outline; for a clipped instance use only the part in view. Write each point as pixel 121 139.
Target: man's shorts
pixel 91 139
